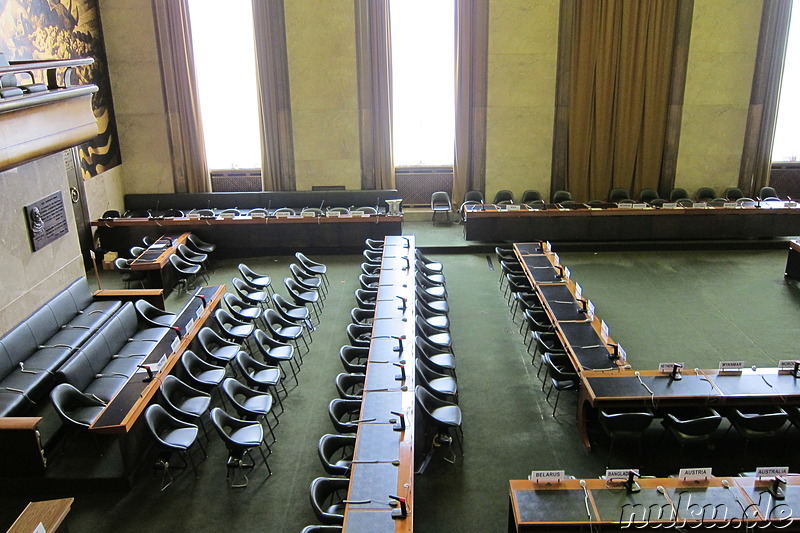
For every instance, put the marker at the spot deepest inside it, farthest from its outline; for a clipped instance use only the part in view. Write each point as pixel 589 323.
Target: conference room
pixel 414 367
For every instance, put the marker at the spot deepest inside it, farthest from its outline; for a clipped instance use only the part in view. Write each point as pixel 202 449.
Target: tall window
pixel 423 82
pixel 224 55
pixel 786 146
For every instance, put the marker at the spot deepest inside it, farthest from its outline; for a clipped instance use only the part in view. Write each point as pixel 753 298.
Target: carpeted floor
pixel 696 307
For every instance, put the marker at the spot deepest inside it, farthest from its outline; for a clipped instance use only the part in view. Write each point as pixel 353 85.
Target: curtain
pixel 472 50
pixel 274 103
pixel 184 125
pixel 762 113
pixel 373 49
pixel 620 74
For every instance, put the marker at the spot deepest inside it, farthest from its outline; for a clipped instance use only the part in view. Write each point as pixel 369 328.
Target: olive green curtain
pixel 620 72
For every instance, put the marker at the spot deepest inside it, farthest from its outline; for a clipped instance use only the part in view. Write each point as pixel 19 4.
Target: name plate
pixel 731 366
pixel 589 310
pixel 640 206
pixel 625 206
pixel 308 214
pixel 345 215
pixel 199 311
pixel 790 204
pixel 567 273
pixel 699 205
pixel 604 330
pixel 226 215
pixel 547 476
pixel 193 216
pixel 620 473
pixel 578 291
pixel 730 205
pixel 670 205
pixel 546 247
pixel 555 260
pixel 786 365
pixel 666 368
pixel 695 474
pixel 771 471
pixel 258 214
pixel 175 344
pixel 281 214
pixel 622 354
pixel 512 207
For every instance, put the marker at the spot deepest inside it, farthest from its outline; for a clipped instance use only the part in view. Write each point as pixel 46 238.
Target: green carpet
pixel 697 307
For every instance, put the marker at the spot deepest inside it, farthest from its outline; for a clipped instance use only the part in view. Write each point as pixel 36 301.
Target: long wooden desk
pixel 49 513
pixel 793 261
pixel 383 462
pixel 245 235
pixel 667 503
pixel 771 219
pixel 122 412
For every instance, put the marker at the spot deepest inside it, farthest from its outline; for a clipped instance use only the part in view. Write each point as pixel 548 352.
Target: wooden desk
pixel 49 513
pixel 244 236
pixel 383 462
pixel 716 502
pixel 122 412
pixel 771 219
pixel 155 261
pixel 793 261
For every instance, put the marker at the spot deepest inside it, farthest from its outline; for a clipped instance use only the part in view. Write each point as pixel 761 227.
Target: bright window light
pixel 786 146
pixel 224 56
pixel 423 82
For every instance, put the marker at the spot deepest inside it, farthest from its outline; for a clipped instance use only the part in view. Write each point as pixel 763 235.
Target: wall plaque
pixel 47 220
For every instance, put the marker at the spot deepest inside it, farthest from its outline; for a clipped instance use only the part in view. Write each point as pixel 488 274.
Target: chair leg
pixel 555 404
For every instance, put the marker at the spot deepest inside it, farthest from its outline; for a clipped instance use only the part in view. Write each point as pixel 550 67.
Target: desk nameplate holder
pixel 731 367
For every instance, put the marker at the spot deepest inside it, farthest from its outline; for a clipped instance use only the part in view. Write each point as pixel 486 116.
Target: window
pixel 224 56
pixel 423 82
pixel 786 145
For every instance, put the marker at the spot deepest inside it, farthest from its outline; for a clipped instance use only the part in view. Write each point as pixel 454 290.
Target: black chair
pixel 561 196
pixel 733 194
pixel 336 453
pixel 531 195
pixel 354 359
pixel 370 269
pixel 174 213
pixel 768 193
pixel 432 265
pixel 307 281
pixel 302 296
pixel 374 244
pixel 648 196
pixel 75 408
pixel 435 336
pixel 241 310
pixel 239 436
pixel 503 197
pixel 437 359
pixel 313 266
pixel 234 330
pixel 249 294
pixel 259 282
pixel 195 243
pixel 439 305
pixel 293 312
pixel 624 425
pixel 284 330
pixel 249 404
pixel 473 196
pixel 111 213
pixel 440 203
pixel 562 378
pixel 187 272
pixel 436 320
pixel 434 289
pixel 184 401
pixel 443 386
pixel 362 316
pixel 366 299
pixel 373 257
pixel 129 276
pixel 705 194
pixel 328 497
pixel 216 348
pixel 616 195
pixel 369 282
pixel 431 275
pixel 350 386
pixel 344 414
pixel 359 335
pixel 678 193
pixel 275 353
pixel 171 436
pixel 757 423
pixel 136 251
pixel 201 374
pixel 261 376
pixel 153 316
pixel 443 418
pixel 195 258
pixel 691 425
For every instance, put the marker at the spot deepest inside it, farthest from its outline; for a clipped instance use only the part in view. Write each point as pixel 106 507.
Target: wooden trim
pixel 19 423
pixel 49 513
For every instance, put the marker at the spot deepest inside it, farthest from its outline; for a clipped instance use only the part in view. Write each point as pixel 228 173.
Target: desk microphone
pixel 483 206
pixel 402 512
pixel 408 263
pixel 402 375
pixel 586 498
pixel 675 375
pixel 202 299
pixel 401 421
pixel 408 242
pixel 796 369
pixel 630 485
pixel 149 377
pixel 398 338
pixel 560 269
pixel 403 303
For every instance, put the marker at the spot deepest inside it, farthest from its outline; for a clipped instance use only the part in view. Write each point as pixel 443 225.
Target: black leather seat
pixel 327 499
pixel 344 414
pixel 239 436
pixel 336 453
pixel 171 436
pixel 350 386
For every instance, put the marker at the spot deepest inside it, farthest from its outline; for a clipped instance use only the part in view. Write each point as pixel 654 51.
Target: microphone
pixel 560 269
pixel 269 204
pixel 408 242
pixel 408 263
pixel 320 207
pixel 403 303
pixel 169 240
pixel 777 490
pixel 399 339
pixel 202 299
pixel 176 329
pixel 402 512
pixel 758 201
pixel 111 375
pixel 796 369
pixel 401 376
pixel 586 498
pixel 149 377
pixel 401 421
pixel 675 375
pixel 483 206
pixel 630 485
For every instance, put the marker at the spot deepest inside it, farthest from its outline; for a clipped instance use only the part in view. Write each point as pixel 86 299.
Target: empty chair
pixel 366 299
pixel 136 213
pixel 75 408
pixel 171 436
pixel 429 287
pixel 369 282
pixel 190 255
pixel 260 376
pixel 758 422
pixel 260 282
pixel 678 193
pixel 503 197
pixel 328 497
pixel 276 353
pixel 313 266
pixel 374 244
pixel 429 263
pixel 617 194
pixel 153 316
pixel 440 203
pixel 339 210
pixel 624 425
pixel 354 359
pixel 439 321
pixel 705 194
pixel 439 418
pixel 215 347
pixel 437 337
pixel 344 414
pixel 249 294
pixel 350 386
pixel 201 374
pixel 531 195
pixel 437 304
pixel 284 330
pixel 768 193
pixel 364 210
pixel 129 276
pixel 174 213
pixel 362 316
pixel 293 312
pixel 561 196
pixel 241 310
pixel 198 245
pixel 691 425
pixel 258 212
pixel 204 213
pixel 250 404
pixel 230 212
pixel 562 378
pixel 184 401
pixel 307 281
pixel 648 196
pixel 436 358
pixel 433 276
pixel 443 386
pixel 336 453
pixel 148 240
pixel 373 257
pixel 360 335
pixel 239 436
pixel 111 213
pixel 234 330
pixel 473 196
pixel 187 272
pixel 136 251
pixel 302 296
pixel 733 194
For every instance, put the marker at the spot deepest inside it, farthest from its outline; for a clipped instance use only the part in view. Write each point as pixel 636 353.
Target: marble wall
pixel 523 47
pixel 320 38
pixel 718 82
pixel 31 278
